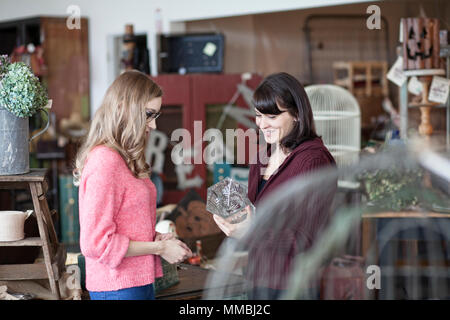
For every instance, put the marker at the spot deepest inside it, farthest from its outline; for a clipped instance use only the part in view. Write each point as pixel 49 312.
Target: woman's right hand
pixel 234 230
pixel 174 251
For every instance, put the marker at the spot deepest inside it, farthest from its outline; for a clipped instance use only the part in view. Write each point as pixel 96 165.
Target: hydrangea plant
pixel 21 93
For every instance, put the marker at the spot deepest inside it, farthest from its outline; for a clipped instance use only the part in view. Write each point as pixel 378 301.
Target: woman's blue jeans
pixel 146 292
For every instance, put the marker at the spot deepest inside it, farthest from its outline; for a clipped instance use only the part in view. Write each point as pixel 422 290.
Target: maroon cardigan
pixel 272 252
pixel 308 156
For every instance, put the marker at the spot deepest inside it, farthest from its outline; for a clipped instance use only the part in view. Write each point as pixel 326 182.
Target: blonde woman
pixel 117 200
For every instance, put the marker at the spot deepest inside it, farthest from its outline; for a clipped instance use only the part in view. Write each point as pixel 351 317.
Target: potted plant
pixel 21 97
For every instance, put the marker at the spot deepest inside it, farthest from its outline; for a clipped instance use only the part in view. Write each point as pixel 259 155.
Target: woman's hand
pixel 174 251
pixel 164 236
pixel 235 230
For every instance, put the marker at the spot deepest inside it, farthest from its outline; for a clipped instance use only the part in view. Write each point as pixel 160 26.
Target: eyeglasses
pixel 152 115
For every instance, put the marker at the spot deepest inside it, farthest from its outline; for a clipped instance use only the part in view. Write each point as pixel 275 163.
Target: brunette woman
pixel 284 115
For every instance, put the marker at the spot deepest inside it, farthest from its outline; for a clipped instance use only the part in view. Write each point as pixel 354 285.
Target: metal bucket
pixel 14 143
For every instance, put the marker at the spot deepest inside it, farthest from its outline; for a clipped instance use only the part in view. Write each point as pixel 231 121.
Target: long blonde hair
pixel 120 123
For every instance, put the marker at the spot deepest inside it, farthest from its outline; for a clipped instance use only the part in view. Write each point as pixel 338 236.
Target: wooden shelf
pixel 22 181
pixel 34 175
pixel 31 242
pixel 406 215
pixel 372 74
pixel 37 270
pixel 23 271
pixel 435 106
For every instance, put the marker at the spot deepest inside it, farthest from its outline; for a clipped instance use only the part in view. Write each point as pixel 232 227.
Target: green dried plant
pixel 21 93
pixel 395 189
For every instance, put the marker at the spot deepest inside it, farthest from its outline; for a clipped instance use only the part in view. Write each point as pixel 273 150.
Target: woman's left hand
pixel 164 236
pixel 234 230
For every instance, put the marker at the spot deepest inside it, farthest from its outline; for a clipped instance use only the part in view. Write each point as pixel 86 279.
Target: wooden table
pixel 192 285
pixel 369 225
pixel 409 260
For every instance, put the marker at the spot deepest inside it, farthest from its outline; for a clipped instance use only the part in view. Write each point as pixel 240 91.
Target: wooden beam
pixel 31 242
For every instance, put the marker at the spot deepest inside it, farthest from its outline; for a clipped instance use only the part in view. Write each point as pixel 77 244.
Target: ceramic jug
pixel 12 225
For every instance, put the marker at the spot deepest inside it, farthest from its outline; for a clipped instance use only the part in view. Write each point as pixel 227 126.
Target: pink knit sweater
pixel 114 208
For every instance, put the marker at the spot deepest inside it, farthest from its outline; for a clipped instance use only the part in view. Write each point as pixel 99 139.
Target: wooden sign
pixel 420 43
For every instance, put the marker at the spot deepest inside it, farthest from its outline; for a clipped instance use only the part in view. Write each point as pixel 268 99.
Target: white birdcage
pixel 337 118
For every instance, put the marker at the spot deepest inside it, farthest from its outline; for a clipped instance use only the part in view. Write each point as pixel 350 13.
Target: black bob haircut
pixel 281 90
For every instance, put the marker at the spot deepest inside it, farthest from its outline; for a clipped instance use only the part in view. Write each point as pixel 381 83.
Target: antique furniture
pixel 54 253
pixel 362 77
pixel 411 247
pixel 421 58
